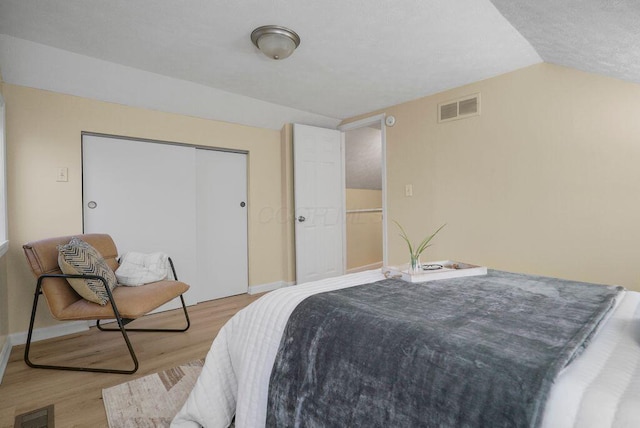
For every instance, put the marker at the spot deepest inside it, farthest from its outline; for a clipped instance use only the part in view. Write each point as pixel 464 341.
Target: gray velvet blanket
pixel 467 352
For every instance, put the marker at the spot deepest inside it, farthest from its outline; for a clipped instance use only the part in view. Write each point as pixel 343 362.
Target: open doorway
pixel 364 197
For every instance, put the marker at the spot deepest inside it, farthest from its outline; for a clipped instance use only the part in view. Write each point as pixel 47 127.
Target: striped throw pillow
pixel 79 258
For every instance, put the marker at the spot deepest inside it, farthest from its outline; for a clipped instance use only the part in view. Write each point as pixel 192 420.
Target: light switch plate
pixel 63 174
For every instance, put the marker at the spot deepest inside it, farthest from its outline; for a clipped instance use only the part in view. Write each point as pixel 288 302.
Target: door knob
pixel 242 204
pixel 92 204
pixel 301 219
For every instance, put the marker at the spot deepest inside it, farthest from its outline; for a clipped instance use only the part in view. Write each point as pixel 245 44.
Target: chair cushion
pixel 132 302
pixel 79 258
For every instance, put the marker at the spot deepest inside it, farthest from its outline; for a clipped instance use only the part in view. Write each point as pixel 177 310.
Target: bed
pixel 599 387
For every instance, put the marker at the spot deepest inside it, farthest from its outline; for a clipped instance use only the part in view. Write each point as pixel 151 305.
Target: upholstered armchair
pixel 111 302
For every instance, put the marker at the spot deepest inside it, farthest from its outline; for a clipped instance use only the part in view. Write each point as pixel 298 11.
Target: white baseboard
pixel 49 332
pixel 263 288
pixel 4 356
pixel 367 267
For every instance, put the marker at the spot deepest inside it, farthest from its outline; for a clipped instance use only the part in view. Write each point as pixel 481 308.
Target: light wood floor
pixel 77 396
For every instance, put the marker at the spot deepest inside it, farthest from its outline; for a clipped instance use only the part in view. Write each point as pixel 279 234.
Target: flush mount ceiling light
pixel 274 41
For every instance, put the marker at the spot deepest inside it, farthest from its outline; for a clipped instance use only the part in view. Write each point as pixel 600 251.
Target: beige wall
pixel 545 180
pixel 286 213
pixel 4 301
pixel 44 133
pixel 364 229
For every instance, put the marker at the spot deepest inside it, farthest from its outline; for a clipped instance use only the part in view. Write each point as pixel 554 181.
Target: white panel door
pixel 144 195
pixel 222 222
pixel 319 199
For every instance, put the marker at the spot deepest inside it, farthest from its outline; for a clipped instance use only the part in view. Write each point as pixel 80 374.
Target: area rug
pixel 151 401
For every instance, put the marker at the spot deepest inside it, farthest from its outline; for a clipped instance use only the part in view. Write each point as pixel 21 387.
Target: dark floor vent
pixel 39 418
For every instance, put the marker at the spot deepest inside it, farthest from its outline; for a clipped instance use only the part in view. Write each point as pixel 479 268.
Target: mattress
pixel 600 388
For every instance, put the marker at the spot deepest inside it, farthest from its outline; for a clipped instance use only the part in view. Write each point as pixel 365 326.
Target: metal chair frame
pixel 121 326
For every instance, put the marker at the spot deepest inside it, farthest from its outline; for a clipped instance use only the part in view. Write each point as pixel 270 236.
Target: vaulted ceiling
pixel 356 56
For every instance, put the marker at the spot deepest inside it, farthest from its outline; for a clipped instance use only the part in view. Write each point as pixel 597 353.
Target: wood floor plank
pixel 77 396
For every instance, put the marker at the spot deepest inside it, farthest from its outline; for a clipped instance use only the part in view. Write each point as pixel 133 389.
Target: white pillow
pixel 138 268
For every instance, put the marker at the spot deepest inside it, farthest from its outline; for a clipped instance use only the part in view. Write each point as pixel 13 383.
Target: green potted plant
pixel 416 251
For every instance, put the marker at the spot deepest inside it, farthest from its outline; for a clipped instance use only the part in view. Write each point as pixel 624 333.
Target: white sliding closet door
pixel 222 222
pixel 177 199
pixel 144 195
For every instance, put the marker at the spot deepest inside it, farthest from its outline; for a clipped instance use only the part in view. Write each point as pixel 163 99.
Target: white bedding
pixel 601 388
pixel 138 268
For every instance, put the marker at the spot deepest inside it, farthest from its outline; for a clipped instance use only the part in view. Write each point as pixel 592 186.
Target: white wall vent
pixel 459 109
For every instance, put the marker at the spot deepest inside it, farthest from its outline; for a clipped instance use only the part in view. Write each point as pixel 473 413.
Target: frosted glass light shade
pixel 276 46
pixel 274 41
